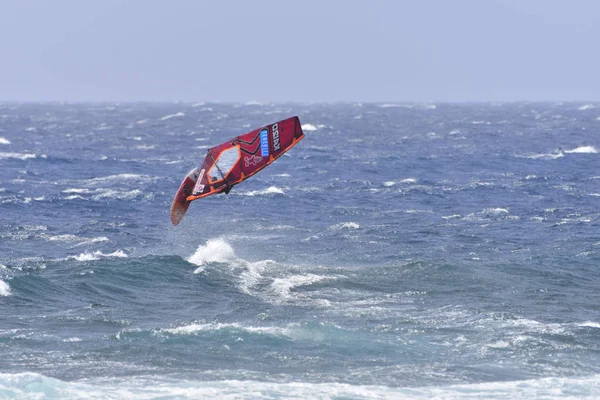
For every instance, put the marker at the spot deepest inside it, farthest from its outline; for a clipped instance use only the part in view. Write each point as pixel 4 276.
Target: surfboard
pixel 234 161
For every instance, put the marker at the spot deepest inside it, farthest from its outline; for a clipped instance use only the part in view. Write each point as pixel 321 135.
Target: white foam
pixel 72 238
pixel 283 286
pixel 4 140
pixel 495 211
pixel 590 324
pixel 391 105
pixel 30 385
pixel 145 147
pixel 546 156
pixel 453 216
pixel 97 255
pixel 406 180
pixel 176 115
pixel 215 250
pixel 583 150
pixel 587 107
pixel 268 191
pixel 141 121
pixel 311 127
pixel 196 328
pixel 19 156
pixel 344 225
pixel 75 190
pixel 118 194
pixel 4 288
pixel 120 177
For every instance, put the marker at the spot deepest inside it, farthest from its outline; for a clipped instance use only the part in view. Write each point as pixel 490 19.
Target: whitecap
pixel 81 241
pixel 4 288
pixel 283 286
pixel 589 324
pixel 583 149
pixel 263 192
pixel 145 147
pixel 166 117
pixel 117 194
pixel 392 183
pixel 19 156
pixel 196 328
pixel 76 190
pixel 4 140
pixel 119 177
pixel 74 197
pixel 546 156
pixel 97 255
pixel 309 127
pixel 344 225
pixel 495 211
pixel 215 250
pixel 33 385
pixel 587 107
pixel 392 105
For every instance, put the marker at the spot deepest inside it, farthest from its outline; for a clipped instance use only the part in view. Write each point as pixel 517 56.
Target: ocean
pixel 399 251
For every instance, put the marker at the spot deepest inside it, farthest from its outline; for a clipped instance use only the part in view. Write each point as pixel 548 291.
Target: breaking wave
pixel 29 385
pixel 176 115
pixel 97 255
pixel 4 288
pixel 583 150
pixel 19 156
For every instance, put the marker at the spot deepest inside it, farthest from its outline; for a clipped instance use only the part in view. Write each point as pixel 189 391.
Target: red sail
pixel 232 162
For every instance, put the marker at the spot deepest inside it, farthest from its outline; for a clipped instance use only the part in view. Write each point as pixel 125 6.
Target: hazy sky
pixel 300 50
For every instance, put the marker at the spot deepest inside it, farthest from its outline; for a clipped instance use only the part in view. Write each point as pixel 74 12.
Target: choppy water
pixel 398 251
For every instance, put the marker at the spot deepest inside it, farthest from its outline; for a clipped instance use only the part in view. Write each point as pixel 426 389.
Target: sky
pixel 300 51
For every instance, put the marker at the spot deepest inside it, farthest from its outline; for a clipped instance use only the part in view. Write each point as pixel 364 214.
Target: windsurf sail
pixel 234 161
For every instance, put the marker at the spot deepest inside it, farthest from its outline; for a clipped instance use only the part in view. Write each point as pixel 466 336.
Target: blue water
pixel 398 251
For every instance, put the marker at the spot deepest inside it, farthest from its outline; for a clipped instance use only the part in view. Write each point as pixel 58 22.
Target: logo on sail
pixel 264 143
pixel 276 143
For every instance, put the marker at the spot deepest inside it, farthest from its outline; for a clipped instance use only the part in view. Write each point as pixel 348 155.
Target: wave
pixel 283 287
pixel 215 250
pixel 122 177
pixel 176 115
pixel 583 150
pixel 20 156
pixel 268 280
pixel 30 385
pixel 392 183
pixel 196 328
pixel 4 140
pixel 97 255
pixel 344 225
pixel 263 192
pixel 546 156
pixel 311 127
pixel 422 106
pixel 80 241
pixel 587 107
pixel 4 288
